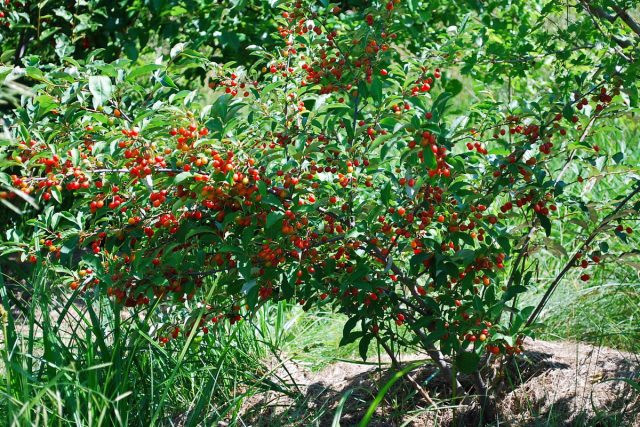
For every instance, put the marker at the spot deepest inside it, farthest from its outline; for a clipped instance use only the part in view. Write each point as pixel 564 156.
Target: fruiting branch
pixel 577 254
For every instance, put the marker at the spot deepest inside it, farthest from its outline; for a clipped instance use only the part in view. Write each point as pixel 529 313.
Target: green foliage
pixel 412 188
pixel 51 31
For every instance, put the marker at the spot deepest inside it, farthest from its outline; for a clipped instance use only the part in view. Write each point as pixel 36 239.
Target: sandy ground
pixel 556 383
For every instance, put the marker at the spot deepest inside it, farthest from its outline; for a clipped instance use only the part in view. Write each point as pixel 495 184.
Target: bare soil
pixel 554 383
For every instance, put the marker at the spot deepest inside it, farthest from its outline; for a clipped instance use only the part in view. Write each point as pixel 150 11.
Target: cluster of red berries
pixel 186 137
pixel 3 13
pixel 232 85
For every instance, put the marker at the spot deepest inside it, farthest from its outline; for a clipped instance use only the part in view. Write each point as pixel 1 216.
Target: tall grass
pixel 75 360
pixel 78 361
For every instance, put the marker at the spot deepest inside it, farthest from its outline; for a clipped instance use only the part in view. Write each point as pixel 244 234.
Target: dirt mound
pixel 575 383
pixel 555 383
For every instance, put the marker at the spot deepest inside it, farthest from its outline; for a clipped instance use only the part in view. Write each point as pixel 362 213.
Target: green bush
pixel 332 169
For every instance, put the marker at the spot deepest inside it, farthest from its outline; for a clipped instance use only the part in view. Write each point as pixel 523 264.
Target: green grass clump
pixel 607 314
pixel 74 360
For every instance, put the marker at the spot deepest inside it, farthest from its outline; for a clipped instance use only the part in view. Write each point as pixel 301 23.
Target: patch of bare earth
pixel 555 383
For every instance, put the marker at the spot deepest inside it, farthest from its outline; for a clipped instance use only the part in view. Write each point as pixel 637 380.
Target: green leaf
pixel 466 256
pixel 429 158
pixel 504 243
pixel 376 90
pixel 386 193
pixel 167 81
pixel 512 292
pixel 467 362
pixel 46 104
pixel 199 230
pixel 567 111
pixel 182 176
pixel 176 50
pixel 440 104
pixel 4 72
pixel 131 50
pixel 632 91
pixel 142 70
pixel 546 224
pixel 348 339
pixel 57 195
pixel 36 74
pixel 287 286
pixel 363 346
pixel 340 407
pixel 101 89
pixel 64 46
pixel 454 87
pixel 349 325
pixel 386 147
pixel 509 339
pixel 273 218
pixel 64 14
pixel 250 289
pixel 229 248
pixel 248 285
pixel 618 157
pixel 518 321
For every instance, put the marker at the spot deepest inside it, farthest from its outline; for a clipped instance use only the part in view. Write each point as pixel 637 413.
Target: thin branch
pixel 631 23
pixel 521 254
pixel 375 251
pixel 597 11
pixel 571 262
pixel 574 151
pixel 387 349
pixel 422 391
pixel 116 171
pixel 594 12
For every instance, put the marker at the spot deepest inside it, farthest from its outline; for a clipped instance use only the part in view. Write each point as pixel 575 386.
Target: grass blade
pixel 338 414
pixel 383 391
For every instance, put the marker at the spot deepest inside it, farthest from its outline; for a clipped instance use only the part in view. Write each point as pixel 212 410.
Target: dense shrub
pixel 332 171
pixel 124 28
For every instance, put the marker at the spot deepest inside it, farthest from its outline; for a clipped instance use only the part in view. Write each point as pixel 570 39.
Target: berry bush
pixel 330 170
